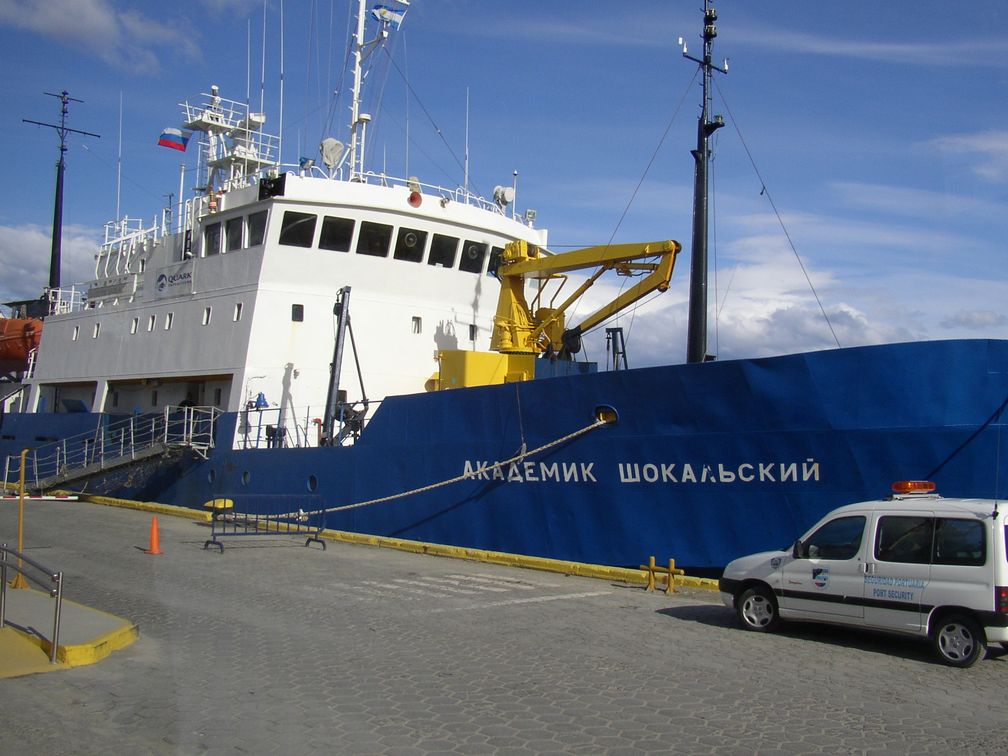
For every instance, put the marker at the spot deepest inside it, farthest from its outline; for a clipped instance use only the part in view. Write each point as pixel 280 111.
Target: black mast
pixel 696 337
pixel 57 232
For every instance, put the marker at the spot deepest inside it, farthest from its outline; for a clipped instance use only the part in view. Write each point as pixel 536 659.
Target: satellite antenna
pixel 57 232
pixel 503 196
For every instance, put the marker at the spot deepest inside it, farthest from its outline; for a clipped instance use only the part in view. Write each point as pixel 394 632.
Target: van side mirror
pixel 796 550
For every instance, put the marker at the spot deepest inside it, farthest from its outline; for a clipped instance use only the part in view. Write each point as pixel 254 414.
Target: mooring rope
pixel 301 514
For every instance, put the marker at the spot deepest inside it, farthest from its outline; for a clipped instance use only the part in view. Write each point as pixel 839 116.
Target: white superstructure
pixel 234 296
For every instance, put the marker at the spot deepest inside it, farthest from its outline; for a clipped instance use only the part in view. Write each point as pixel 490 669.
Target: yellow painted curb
pixel 581 569
pixel 93 652
pixel 148 506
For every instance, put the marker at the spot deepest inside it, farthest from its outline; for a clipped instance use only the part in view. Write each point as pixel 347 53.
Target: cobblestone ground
pixel 271 647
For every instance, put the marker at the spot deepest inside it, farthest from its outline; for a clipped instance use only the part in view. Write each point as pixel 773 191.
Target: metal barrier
pixel 303 516
pixel 54 578
pixel 134 438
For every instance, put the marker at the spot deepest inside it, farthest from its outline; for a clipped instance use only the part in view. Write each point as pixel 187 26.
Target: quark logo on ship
pixel 169 280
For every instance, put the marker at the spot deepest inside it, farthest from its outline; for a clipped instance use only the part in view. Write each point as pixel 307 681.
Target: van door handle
pixel 869 568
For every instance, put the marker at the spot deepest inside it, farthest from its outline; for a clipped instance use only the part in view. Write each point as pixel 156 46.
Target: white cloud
pixel 975 319
pixel 25 252
pixel 121 38
pixel 987 149
pixel 971 52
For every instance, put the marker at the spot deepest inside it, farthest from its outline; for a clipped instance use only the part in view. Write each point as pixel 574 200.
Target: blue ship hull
pixel 706 462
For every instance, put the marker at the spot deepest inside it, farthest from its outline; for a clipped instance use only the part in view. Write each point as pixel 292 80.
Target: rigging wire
pixel 765 191
pixel 633 196
pixel 437 129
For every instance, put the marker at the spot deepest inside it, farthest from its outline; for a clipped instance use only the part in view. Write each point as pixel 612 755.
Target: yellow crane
pixel 523 332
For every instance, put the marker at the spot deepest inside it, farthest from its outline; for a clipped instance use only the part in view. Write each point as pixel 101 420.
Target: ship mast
pixel 57 230
pixel 362 49
pixel 696 338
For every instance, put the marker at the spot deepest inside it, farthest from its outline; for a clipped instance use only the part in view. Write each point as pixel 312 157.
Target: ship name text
pixel 636 472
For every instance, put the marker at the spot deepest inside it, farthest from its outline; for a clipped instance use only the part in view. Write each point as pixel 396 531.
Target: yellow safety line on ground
pixel 581 569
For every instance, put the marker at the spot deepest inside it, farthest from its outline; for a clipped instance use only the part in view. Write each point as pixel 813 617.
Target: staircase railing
pixel 112 445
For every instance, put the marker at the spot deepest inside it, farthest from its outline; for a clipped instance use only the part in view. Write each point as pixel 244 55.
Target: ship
pixel 329 343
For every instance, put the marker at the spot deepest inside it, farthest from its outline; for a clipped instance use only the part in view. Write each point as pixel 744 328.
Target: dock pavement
pixel 274 647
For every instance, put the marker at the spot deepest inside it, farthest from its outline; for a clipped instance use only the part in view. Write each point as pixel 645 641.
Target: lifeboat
pixel 18 337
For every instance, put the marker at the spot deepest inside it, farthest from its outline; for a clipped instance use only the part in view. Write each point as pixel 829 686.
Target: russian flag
pixel 174 138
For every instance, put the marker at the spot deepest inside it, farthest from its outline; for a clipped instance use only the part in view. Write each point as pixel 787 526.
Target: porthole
pixel 246 477
pixel 211 476
pixel 312 483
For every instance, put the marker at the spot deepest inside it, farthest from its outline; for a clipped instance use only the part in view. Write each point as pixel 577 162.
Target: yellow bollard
pixel 19 581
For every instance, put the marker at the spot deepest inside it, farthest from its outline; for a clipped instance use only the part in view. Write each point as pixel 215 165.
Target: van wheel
pixel 757 610
pixel 958 640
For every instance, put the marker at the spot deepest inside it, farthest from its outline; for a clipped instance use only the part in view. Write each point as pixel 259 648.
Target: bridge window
pixel 256 228
pixel 297 313
pixel 473 256
pixel 298 229
pixel 336 234
pixel 374 239
pixel 212 239
pixel 442 251
pixel 410 245
pixel 233 233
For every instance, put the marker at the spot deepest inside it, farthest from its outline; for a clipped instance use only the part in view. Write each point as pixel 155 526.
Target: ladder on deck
pixel 113 445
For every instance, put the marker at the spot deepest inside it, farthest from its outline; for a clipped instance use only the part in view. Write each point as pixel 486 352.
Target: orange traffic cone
pixel 155 540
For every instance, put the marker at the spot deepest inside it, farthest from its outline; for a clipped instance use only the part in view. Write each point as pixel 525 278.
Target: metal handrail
pixel 176 426
pixel 54 578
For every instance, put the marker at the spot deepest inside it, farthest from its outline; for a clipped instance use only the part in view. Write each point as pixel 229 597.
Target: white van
pixel 915 563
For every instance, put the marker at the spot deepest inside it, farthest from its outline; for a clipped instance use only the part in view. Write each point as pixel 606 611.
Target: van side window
pixel 837 539
pixel 959 542
pixel 904 539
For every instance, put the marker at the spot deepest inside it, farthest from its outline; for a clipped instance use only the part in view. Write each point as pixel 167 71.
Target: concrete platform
pixel 86 635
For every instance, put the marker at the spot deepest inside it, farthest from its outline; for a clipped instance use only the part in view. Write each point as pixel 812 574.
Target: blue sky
pixel 879 131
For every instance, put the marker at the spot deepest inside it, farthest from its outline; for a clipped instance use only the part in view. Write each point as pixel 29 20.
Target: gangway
pixel 114 445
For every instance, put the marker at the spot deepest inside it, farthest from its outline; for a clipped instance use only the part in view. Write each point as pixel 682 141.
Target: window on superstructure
pixel 473 256
pixel 442 251
pixel 256 228
pixel 297 313
pixel 496 253
pixel 115 399
pixel 153 398
pixel 217 397
pixel 76 332
pixel 207 312
pixel 143 265
pixel 374 239
pixel 233 233
pixel 417 324
pixel 151 322
pixel 410 245
pixel 336 234
pixel 212 240
pixel 473 331
pixel 133 325
pixel 96 331
pixel 298 229
pixel 169 319
pixel 237 311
